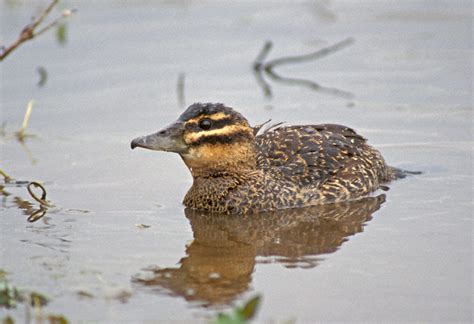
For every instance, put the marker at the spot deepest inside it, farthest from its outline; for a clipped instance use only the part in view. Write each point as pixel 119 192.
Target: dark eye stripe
pixel 238 136
pixel 216 124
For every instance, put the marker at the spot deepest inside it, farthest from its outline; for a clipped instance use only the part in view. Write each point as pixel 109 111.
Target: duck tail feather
pixel 401 173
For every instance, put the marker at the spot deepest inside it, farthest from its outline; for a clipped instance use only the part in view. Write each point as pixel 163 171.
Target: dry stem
pixel 30 32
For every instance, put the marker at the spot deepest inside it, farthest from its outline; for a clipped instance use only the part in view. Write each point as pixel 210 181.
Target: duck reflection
pixel 219 262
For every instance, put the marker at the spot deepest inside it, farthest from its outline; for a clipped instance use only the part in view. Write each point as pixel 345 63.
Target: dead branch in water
pixel 311 56
pixel 261 68
pixel 30 31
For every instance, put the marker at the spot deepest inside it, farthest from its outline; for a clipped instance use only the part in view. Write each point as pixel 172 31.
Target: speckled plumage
pixel 240 169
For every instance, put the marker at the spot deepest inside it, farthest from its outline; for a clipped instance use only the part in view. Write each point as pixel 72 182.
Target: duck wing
pixel 309 154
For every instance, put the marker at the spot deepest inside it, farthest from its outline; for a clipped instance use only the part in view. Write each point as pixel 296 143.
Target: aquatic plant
pixel 240 314
pixel 11 297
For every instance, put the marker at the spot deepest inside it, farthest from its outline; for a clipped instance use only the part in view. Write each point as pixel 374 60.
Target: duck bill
pixel 169 139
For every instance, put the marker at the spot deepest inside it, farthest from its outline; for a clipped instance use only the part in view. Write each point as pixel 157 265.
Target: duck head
pixel 209 137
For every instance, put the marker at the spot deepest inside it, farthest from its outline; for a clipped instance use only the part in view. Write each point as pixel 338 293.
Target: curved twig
pixel 41 200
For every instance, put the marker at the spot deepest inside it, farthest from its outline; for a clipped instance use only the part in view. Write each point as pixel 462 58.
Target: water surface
pixel 404 257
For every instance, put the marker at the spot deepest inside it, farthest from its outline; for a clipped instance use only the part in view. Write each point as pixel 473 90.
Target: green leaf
pixel 250 308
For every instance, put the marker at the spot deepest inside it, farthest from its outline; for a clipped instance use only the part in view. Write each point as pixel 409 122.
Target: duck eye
pixel 205 124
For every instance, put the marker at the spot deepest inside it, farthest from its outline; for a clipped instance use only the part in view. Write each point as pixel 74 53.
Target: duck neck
pixel 230 160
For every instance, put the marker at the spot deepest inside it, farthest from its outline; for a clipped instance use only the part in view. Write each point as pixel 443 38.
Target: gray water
pixel 408 258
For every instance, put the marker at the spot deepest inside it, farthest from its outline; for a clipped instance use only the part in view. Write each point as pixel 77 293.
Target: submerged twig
pixel 29 32
pixel 180 89
pixel 266 88
pixel 258 67
pixel 261 67
pixel 259 61
pixel 41 200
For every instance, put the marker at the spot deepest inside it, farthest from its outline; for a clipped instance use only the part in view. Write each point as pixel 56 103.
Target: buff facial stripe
pixel 222 138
